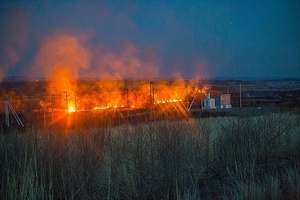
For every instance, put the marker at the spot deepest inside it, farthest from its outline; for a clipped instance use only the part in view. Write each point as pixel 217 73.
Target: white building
pixel 209 103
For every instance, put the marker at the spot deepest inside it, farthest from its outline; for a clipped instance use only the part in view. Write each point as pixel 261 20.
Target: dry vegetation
pixel 249 157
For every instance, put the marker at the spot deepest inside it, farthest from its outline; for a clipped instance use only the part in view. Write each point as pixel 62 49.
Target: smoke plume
pixel 13 40
pixel 123 65
pixel 61 50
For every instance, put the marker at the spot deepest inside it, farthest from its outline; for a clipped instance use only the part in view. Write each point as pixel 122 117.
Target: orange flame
pixel 113 94
pixel 71 109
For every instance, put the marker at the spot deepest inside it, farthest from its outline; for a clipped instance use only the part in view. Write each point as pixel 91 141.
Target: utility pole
pixel 52 105
pixel 151 99
pixel 151 94
pixel 6 111
pixel 227 88
pixel 187 94
pixel 240 94
pixel 75 104
pixel 75 101
pixel 66 100
pixel 8 107
pixel 127 99
pixel 44 108
pixel 201 87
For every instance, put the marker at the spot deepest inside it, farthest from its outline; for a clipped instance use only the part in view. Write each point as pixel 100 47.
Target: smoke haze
pixel 167 39
pixel 13 38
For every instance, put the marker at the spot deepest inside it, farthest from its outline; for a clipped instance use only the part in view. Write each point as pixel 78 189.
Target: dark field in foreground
pixel 247 157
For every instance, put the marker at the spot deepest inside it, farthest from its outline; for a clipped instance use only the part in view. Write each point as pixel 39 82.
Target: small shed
pixel 222 101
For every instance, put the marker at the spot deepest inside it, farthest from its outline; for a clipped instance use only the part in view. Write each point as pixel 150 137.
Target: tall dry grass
pixel 249 157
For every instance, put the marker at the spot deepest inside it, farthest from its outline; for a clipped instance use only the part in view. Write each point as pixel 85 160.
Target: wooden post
pixel 240 94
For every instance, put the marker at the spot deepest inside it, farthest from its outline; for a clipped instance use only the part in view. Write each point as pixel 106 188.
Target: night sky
pixel 151 39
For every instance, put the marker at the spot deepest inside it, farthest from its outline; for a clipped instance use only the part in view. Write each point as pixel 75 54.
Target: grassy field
pixel 247 157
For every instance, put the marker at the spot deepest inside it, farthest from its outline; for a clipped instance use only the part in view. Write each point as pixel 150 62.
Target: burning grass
pixel 106 94
pixel 217 158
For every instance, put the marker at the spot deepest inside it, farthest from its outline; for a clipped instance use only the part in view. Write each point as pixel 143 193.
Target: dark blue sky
pixel 156 39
